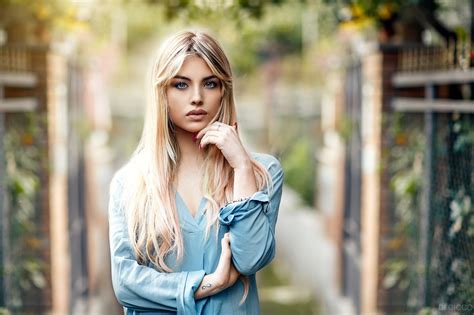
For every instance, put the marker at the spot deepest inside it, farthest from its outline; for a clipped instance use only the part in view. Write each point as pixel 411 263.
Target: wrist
pixel 216 281
pixel 245 165
pixel 209 285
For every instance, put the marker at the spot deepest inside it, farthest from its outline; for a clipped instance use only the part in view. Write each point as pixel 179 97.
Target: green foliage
pixel 25 270
pixel 39 21
pixel 455 258
pixel 248 37
pixel 379 9
pixel 298 166
pixel 451 214
pixel 406 169
pixel 190 8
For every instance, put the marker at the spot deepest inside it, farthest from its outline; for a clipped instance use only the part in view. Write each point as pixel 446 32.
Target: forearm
pixel 252 224
pixel 208 286
pixel 245 184
pixel 224 277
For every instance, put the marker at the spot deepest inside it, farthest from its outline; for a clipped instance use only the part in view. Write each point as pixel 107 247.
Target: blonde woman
pixel 192 215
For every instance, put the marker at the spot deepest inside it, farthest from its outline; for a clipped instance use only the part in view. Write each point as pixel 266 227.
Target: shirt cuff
pixel 186 302
pixel 241 209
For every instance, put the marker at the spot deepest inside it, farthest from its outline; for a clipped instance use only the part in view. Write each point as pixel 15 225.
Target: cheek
pixel 215 99
pixel 173 107
pixel 173 98
pixel 175 101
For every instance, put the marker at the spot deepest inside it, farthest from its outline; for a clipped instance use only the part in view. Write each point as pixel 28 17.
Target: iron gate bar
pixel 24 104
pixel 4 240
pixel 415 79
pixel 18 79
pixel 406 104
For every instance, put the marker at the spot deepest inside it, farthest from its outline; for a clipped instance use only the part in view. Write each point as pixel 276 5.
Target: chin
pixel 194 128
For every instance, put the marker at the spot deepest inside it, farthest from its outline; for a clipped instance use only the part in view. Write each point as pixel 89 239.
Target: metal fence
pixel 432 179
pixel 427 238
pixel 351 251
pixel 26 158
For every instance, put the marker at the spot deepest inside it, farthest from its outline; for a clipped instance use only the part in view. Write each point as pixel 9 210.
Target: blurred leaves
pixel 299 169
pixel 394 275
pixel 38 21
pixel 406 168
pixel 265 28
pixel 465 137
pixel 452 224
pixel 461 209
pixel 23 156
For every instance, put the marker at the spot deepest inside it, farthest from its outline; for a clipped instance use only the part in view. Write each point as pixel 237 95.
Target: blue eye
pixel 210 84
pixel 180 85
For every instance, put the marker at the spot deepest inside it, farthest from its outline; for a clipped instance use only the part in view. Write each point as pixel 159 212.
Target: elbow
pixel 122 291
pixel 124 295
pixel 120 295
pixel 253 262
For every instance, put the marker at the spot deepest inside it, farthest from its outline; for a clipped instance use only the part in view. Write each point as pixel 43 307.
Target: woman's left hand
pixel 225 137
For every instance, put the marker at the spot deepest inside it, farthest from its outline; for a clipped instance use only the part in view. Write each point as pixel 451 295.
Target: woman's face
pixel 194 88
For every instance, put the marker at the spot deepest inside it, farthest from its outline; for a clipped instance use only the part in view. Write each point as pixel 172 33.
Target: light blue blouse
pixel 144 290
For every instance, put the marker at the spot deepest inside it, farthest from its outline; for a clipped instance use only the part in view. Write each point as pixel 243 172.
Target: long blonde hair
pixel 153 223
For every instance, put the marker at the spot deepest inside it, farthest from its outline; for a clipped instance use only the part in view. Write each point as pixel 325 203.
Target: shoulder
pixel 121 177
pixel 271 163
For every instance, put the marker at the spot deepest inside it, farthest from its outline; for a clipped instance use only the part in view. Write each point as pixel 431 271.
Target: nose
pixel 196 98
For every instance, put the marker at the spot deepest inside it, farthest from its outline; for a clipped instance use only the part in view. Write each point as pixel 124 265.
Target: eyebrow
pixel 188 79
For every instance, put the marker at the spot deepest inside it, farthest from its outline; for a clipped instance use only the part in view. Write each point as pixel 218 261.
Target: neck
pixel 191 155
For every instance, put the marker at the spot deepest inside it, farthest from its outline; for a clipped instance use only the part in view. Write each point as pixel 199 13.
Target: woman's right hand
pixel 223 277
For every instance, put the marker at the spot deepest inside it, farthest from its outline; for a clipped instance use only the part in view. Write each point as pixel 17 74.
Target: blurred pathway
pixel 306 256
pixel 279 297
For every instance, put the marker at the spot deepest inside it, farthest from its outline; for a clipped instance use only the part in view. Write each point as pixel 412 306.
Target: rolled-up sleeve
pixel 252 223
pixel 141 287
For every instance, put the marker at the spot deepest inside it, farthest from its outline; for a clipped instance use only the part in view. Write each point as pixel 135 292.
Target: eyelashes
pixel 181 85
pixel 210 84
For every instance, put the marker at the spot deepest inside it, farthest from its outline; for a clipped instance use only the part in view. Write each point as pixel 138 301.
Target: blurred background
pixel 369 105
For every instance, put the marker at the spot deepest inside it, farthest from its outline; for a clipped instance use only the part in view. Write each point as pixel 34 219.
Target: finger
pixel 225 251
pixel 221 126
pixel 218 136
pixel 214 133
pixel 208 139
pixel 227 237
pixel 215 126
pixel 212 126
pixel 203 131
pixel 224 243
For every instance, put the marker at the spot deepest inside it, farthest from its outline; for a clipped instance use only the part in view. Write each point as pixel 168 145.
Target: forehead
pixel 194 66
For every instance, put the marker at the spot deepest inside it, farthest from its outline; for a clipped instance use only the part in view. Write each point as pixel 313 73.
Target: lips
pixel 197 112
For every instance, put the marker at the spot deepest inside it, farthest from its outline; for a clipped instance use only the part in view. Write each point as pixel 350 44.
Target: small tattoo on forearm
pixel 207 285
